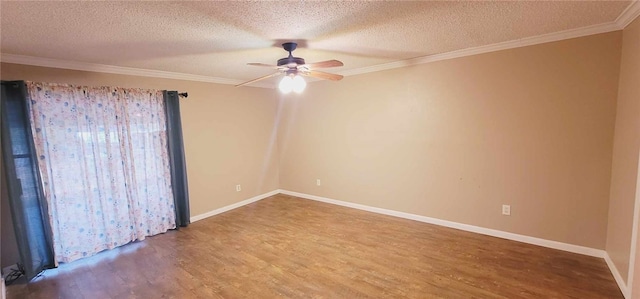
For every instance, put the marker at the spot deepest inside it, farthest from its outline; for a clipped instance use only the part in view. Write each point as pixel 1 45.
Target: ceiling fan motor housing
pixel 289 47
pixel 290 60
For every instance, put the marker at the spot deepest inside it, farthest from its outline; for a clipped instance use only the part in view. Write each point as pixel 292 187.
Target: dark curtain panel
pixel 26 197
pixel 176 157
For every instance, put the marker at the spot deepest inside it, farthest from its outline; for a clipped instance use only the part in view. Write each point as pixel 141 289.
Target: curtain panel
pixel 104 158
pixel 176 155
pixel 26 196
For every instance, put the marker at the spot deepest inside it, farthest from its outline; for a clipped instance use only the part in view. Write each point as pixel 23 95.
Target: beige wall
pixel 626 148
pixel 228 132
pixel 531 127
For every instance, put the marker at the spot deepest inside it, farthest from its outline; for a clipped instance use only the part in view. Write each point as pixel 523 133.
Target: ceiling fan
pixel 295 67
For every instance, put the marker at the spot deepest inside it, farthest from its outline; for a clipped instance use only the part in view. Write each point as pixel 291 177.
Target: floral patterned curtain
pixel 104 165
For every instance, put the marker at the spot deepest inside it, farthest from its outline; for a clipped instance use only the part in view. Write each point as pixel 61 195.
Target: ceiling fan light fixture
pixel 299 84
pixel 291 83
pixel 286 84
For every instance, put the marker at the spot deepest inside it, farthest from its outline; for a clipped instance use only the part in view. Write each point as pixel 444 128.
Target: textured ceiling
pixel 217 39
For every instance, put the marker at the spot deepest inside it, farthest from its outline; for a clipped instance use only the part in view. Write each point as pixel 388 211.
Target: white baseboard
pixel 233 206
pixel 466 227
pixel 616 274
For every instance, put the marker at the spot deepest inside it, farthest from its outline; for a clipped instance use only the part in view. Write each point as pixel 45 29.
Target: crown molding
pixel 629 14
pixel 528 41
pixel 624 19
pixel 112 69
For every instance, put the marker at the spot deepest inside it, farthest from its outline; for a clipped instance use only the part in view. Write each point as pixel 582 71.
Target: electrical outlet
pixel 238 188
pixel 506 210
pixel 318 182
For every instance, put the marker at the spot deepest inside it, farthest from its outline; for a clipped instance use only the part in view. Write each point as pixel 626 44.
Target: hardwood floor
pixel 285 247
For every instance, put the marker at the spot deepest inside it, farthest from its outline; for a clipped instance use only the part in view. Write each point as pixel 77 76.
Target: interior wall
pixel 229 133
pixel 531 127
pixel 626 148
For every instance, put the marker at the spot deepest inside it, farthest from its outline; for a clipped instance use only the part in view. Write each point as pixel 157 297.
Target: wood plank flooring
pixel 286 247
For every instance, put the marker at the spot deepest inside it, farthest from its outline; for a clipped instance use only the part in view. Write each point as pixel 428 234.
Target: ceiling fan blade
pixel 323 75
pixel 258 79
pixel 262 64
pixel 324 64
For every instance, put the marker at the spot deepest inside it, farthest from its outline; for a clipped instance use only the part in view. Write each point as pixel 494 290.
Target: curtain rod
pixel 183 94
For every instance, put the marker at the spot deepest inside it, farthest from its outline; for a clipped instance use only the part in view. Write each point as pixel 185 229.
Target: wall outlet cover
pixel 506 210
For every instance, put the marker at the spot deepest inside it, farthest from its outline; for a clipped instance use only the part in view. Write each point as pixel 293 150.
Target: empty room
pixel 320 149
